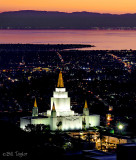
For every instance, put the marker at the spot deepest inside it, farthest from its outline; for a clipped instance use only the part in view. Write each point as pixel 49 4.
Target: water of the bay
pixel 102 39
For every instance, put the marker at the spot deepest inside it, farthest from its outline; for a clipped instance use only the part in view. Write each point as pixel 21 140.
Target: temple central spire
pixel 60 81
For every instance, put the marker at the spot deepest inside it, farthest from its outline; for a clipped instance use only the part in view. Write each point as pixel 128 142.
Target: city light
pixel 120 127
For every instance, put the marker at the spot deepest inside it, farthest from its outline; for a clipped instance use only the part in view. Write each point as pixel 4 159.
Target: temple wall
pixel 72 123
pixel 60 94
pixel 61 104
pixel 45 121
pixel 94 120
pixel 24 122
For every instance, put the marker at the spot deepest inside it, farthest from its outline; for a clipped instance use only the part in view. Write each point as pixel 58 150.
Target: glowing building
pixel 60 115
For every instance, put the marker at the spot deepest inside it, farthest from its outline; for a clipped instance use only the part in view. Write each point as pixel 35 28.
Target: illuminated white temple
pixel 60 115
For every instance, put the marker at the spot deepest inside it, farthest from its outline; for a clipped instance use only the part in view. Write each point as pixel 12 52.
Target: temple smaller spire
pixel 35 103
pixel 35 109
pixel 53 111
pixel 60 80
pixel 86 109
pixel 85 106
pixel 53 107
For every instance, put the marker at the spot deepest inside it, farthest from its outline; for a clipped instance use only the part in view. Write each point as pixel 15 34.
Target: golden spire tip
pixel 53 107
pixel 60 80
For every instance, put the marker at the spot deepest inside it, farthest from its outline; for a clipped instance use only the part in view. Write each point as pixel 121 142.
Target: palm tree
pixel 59 124
pixel 30 128
pixel 39 128
pixel 84 124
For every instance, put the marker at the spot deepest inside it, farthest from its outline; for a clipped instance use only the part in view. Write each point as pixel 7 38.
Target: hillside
pixel 29 19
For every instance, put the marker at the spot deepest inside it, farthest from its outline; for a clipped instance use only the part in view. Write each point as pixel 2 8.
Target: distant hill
pixel 30 19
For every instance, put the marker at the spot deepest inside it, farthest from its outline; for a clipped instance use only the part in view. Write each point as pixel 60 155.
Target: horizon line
pixel 67 12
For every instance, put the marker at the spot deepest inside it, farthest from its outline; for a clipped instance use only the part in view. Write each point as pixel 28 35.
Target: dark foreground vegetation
pixel 37 143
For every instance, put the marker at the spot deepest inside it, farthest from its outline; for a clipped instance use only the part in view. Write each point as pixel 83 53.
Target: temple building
pixel 60 116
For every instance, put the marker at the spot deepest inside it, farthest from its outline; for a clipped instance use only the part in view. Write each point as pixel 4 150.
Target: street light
pixel 120 127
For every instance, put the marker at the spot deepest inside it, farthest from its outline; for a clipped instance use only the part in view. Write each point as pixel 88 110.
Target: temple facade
pixel 60 116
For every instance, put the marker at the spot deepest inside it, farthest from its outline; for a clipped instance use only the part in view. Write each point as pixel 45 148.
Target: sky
pixel 101 6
